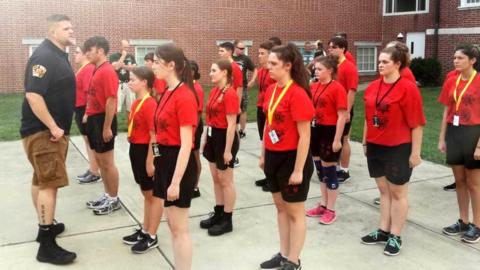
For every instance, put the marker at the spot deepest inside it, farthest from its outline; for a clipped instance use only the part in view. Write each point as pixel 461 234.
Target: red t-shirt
pixel 200 95
pixel 176 109
pixel 453 73
pixel 237 76
pixel 104 85
pixel 347 75
pixel 408 74
pixel 142 121
pixel 160 86
pixel 219 105
pixel 295 106
pixel 350 58
pixel 469 109
pixel 83 77
pixel 264 81
pixel 328 99
pixel 399 111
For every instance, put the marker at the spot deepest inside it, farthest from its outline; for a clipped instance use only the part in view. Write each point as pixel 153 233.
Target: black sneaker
pixel 96 202
pixel 376 201
pixel 57 228
pixel 266 188
pixel 222 227
pixel 451 187
pixel 261 182
pixel 236 163
pixel 375 237
pixel 394 244
pixel 134 238
pixel 145 245
pixel 288 265
pixel 196 193
pixel 456 229
pixel 343 176
pixel 214 218
pixel 89 179
pixel 50 252
pixel 472 236
pixel 109 206
pixel 85 174
pixel 242 134
pixel 275 262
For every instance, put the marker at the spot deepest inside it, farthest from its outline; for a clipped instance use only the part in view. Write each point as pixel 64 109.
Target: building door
pixel 416 44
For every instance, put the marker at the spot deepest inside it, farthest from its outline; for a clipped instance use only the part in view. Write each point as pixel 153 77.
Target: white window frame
pixel 146 43
pixel 32 44
pixel 248 44
pixel 427 9
pixel 368 45
pixel 464 4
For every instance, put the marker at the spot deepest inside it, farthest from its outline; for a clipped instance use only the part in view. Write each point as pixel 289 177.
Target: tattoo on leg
pixel 42 213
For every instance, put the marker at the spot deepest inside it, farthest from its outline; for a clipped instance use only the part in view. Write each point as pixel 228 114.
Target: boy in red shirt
pixel 102 123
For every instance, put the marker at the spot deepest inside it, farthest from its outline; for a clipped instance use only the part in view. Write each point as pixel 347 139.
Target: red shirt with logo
pixel 264 81
pixel 469 109
pixel 160 86
pixel 142 121
pixel 219 105
pixel 295 106
pixel 83 77
pixel 347 75
pixel 237 76
pixel 103 86
pixel 328 99
pixel 176 108
pixel 399 111
pixel 200 95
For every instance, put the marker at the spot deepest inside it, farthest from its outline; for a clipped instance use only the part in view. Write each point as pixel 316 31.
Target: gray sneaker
pixel 109 206
pixel 97 202
pixel 83 175
pixel 89 179
pixel 275 262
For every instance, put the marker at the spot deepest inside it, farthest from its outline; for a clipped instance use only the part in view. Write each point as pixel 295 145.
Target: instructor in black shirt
pixel 47 112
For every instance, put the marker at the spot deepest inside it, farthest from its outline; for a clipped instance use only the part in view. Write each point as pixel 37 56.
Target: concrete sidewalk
pixel 97 239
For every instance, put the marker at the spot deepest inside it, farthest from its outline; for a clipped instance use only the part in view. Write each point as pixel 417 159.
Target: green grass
pixel 10 113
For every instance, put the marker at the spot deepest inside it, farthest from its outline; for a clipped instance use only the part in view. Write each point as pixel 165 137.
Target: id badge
pixel 209 131
pixel 156 151
pixel 273 137
pixel 313 122
pixel 376 121
pixel 456 120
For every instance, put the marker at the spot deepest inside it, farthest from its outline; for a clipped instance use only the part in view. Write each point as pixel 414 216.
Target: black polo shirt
pixel 123 74
pixel 245 64
pixel 49 74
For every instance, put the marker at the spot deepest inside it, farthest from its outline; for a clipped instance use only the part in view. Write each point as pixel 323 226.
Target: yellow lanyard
pixel 459 99
pixel 132 114
pixel 341 61
pixel 271 110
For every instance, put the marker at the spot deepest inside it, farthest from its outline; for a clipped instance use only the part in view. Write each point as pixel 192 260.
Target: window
pixel 32 44
pixel 469 3
pixel 248 44
pixel 366 53
pixel 403 7
pixel 307 49
pixel 144 46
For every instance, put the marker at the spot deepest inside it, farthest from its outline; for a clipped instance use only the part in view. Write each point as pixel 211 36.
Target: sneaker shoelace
pixel 374 234
pixel 393 242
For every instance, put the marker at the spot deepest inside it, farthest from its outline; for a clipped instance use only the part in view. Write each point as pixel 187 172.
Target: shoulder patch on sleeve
pixel 38 71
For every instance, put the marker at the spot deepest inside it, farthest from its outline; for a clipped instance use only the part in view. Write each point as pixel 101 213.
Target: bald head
pixel 125 44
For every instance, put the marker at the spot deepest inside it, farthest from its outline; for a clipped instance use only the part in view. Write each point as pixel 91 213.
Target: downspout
pixel 436 27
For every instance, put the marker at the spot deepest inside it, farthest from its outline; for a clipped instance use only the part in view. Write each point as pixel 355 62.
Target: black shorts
pixel 95 133
pixel 348 126
pixel 390 161
pixel 165 167
pixel 461 143
pixel 278 169
pixel 79 113
pixel 198 134
pixel 138 157
pixel 215 147
pixel 260 122
pixel 321 143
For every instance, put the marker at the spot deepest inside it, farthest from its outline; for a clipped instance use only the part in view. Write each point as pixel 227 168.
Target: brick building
pixel 431 28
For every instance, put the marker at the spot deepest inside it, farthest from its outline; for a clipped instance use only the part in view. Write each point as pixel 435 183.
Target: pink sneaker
pixel 316 212
pixel 328 217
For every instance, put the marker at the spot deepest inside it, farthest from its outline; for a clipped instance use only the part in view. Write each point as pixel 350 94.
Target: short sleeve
pixel 38 74
pixel 187 109
pixel 300 106
pixel 237 77
pixel 412 106
pixel 231 102
pixel 110 85
pixel 250 64
pixel 352 78
pixel 445 94
pixel 341 102
pixel 149 113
